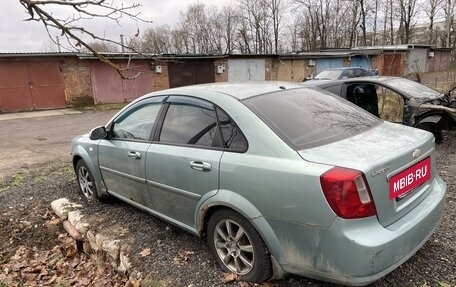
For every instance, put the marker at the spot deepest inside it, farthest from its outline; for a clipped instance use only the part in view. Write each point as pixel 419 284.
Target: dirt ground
pixel 34 250
pixel 34 141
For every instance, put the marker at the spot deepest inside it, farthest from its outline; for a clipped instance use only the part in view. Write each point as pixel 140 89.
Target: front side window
pixel 377 100
pixel 190 122
pixel 136 123
pixel 348 74
pixel 363 95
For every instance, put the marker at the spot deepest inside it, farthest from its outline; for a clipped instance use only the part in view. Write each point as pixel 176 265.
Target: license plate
pixel 410 178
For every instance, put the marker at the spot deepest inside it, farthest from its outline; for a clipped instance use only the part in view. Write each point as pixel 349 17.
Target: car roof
pixel 369 79
pixel 343 68
pixel 238 90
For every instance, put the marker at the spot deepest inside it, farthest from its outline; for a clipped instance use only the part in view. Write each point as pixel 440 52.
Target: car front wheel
pixel 237 247
pixel 86 181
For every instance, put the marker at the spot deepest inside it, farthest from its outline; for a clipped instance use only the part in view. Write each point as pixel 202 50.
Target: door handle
pixel 200 165
pixel 134 155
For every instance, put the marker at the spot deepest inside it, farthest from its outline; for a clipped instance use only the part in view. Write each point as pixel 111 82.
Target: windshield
pixel 306 118
pixel 328 75
pixel 414 89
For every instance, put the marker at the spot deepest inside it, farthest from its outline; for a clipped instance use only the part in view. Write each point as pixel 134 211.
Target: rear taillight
pixel 347 193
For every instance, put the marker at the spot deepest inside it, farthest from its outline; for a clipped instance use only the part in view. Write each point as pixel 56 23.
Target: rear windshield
pixel 306 118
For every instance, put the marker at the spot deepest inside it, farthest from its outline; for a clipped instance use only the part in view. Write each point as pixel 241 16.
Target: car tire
pixel 434 129
pixel 238 247
pixel 86 182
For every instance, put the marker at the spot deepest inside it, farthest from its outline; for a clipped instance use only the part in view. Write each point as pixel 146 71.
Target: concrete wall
pixel 223 77
pixel 416 61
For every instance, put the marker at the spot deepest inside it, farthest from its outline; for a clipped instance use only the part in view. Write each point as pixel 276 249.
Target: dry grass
pixel 390 106
pixel 440 81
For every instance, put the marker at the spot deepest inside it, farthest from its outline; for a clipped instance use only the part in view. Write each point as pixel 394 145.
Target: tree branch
pixel 71 28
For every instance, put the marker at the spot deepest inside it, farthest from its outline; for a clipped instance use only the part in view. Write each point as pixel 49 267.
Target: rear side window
pixel 190 122
pixel 334 89
pixel 306 118
pixel 232 136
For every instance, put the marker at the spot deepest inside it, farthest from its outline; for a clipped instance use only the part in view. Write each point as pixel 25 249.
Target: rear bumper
pixel 358 252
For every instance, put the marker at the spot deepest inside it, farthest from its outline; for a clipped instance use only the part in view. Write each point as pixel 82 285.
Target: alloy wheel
pixel 234 247
pixel 86 182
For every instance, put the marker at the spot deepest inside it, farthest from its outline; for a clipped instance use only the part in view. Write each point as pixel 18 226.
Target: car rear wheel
pixel 434 129
pixel 237 247
pixel 86 181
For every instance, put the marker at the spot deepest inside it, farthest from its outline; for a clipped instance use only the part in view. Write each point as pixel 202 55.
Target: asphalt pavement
pixel 36 138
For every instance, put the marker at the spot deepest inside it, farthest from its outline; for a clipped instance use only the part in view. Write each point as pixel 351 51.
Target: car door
pixel 122 155
pixel 363 95
pixel 182 164
pixel 377 99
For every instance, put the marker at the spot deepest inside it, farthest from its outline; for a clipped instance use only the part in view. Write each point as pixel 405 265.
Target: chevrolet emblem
pixel 416 153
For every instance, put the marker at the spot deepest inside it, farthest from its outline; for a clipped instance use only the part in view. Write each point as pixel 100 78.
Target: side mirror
pixel 98 133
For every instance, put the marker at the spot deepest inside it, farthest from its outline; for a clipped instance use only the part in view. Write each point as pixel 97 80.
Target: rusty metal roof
pixel 36 54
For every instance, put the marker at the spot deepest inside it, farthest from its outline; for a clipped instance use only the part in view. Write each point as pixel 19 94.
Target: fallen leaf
pixel 145 252
pixel 133 283
pixel 53 221
pixel 52 280
pixel 229 277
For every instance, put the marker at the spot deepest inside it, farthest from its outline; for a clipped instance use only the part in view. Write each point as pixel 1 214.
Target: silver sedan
pixel 280 178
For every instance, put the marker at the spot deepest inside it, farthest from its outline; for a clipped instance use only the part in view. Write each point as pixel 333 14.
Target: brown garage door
pixel 109 87
pixel 191 73
pixel 26 86
pixel 392 65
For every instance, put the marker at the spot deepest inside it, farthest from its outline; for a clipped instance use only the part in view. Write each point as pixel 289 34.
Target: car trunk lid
pixel 398 163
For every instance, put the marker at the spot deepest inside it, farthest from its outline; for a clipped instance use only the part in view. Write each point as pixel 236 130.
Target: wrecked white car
pixel 399 100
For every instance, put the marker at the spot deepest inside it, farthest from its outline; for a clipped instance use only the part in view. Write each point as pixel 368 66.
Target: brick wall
pixel 161 80
pixel 78 85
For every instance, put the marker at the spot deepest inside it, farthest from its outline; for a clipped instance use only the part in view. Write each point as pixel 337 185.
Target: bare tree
pixel 431 8
pixel 449 9
pixel 388 22
pixel 407 12
pixel 104 47
pixel 276 9
pixel 156 40
pixel 363 8
pixel 375 22
pixel 71 26
pixel 354 23
pixel 252 26
pixel 230 18
pixel 294 30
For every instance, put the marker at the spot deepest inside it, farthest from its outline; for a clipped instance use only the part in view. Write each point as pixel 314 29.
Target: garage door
pixel 186 73
pixel 392 65
pixel 240 70
pixel 26 86
pixel 109 87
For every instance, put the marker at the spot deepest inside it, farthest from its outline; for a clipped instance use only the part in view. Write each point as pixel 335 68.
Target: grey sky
pixel 17 35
